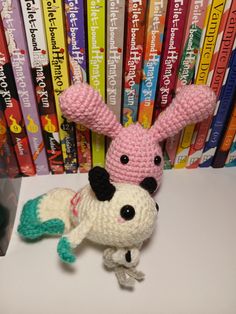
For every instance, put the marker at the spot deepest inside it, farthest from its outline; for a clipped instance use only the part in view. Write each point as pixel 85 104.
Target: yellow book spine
pixel 207 52
pixel 212 22
pixel 96 51
pixel 57 48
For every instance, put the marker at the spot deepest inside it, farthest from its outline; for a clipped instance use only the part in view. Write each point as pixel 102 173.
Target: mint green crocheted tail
pixel 31 227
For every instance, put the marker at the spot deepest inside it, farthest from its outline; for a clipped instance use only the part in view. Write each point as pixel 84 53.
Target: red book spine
pixel 10 105
pixel 8 163
pixel 176 19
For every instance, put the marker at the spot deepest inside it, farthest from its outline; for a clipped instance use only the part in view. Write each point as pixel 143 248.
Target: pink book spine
pixel 176 19
pixel 222 52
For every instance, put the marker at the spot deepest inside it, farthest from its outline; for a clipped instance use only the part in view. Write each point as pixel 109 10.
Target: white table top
pixel 190 262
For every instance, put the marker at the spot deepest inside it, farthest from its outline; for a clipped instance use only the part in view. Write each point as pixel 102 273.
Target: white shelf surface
pixel 190 262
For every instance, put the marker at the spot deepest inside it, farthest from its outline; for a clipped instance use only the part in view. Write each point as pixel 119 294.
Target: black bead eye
pixel 124 159
pixel 127 212
pixel 157 160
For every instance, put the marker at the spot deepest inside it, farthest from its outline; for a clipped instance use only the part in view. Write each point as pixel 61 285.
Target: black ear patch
pixel 149 184
pixel 99 180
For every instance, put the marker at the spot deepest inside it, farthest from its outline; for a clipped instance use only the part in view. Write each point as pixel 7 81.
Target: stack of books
pixel 136 53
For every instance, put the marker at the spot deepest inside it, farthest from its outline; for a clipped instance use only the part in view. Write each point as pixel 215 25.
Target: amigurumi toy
pixel 120 216
pixel 135 154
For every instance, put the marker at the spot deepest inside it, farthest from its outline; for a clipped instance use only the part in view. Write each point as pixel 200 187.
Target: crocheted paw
pixel 64 251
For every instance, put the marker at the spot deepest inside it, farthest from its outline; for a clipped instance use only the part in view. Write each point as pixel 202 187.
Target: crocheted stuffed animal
pixel 118 215
pixel 135 154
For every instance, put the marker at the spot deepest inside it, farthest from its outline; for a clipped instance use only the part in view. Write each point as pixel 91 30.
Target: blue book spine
pixel 225 106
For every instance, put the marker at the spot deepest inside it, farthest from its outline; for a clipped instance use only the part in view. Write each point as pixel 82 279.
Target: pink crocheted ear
pixel 192 104
pixel 82 104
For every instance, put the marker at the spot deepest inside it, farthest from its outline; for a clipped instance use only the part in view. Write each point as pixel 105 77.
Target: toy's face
pixel 135 157
pixel 126 220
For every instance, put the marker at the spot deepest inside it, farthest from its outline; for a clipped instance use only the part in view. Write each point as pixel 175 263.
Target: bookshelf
pixel 189 262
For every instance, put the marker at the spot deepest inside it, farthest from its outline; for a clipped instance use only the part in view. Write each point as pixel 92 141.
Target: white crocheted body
pixel 56 204
pixel 105 224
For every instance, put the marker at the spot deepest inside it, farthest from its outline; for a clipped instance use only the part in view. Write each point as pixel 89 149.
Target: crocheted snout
pixel 135 157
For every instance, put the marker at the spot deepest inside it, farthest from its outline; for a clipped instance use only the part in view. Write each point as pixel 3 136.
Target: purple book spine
pixel 74 10
pixel 17 46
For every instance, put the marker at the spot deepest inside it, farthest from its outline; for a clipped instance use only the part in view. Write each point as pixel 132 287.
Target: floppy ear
pixel 99 180
pixel 82 104
pixel 192 104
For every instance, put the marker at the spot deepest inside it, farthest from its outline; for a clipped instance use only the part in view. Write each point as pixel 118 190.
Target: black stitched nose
pixel 128 256
pixel 149 184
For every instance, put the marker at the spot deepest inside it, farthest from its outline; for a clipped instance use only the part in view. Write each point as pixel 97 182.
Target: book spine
pixel 226 141
pixel 192 42
pixel 229 35
pixel 77 51
pixel 156 15
pixel 221 52
pixel 221 30
pixel 115 42
pixel 10 105
pixel 3 130
pixel 17 46
pixel 216 13
pixel 8 162
pixel 176 20
pixel 175 24
pixel 224 108
pixel 55 33
pixel 40 68
pixel 96 49
pixel 136 11
pixel 231 158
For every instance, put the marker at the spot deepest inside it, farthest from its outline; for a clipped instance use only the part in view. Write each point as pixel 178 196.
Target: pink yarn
pixel 82 104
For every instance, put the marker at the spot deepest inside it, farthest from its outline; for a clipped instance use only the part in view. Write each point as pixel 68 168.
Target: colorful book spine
pixel 96 50
pixel 55 33
pixel 17 46
pixel 3 130
pixel 76 40
pixel 231 158
pixel 220 65
pixel 216 13
pixel 224 109
pixel 175 24
pixel 114 64
pixel 10 106
pixel 8 162
pixel 136 11
pixel 221 31
pixel 40 68
pixel 226 141
pixel 156 15
pixel 190 50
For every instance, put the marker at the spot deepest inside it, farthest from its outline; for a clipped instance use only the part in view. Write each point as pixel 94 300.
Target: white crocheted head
pixel 119 215
pixel 124 221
